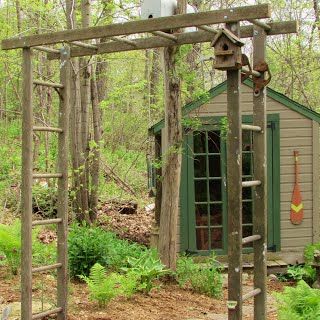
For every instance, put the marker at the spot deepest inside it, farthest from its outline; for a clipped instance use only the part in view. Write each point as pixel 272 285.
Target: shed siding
pixel 296 133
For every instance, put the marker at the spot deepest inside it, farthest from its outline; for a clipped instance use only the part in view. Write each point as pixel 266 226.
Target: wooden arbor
pixel 231 17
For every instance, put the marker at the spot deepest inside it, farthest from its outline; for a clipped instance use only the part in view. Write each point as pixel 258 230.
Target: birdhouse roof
pixel 231 36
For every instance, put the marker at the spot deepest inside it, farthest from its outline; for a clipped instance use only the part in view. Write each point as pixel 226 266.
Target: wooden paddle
pixel 296 213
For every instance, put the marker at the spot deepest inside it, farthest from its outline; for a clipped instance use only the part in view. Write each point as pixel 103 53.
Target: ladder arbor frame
pixel 116 42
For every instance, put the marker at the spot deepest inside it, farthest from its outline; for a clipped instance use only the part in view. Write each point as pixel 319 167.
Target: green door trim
pixel 187 223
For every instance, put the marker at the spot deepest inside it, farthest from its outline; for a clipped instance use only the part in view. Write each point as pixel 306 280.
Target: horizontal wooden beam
pixel 183 38
pixel 45 222
pixel 142 26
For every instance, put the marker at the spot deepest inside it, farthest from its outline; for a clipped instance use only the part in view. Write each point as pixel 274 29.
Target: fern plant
pixel 299 303
pixel 105 287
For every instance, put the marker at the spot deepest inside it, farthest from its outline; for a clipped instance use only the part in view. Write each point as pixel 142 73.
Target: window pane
pixel 246 140
pixel 199 142
pixel 214 166
pixel 215 190
pixel 246 232
pixel 214 141
pixel 200 190
pixel 215 214
pixel 201 215
pixel 216 238
pixel 200 165
pixel 202 236
pixel 246 164
pixel 247 212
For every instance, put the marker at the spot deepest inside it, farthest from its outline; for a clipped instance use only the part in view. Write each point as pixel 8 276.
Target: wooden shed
pixel 203 211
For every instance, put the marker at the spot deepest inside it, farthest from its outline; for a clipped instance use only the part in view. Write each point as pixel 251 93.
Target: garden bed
pixel 169 302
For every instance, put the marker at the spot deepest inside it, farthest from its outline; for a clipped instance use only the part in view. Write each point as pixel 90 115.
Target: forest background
pixel 119 96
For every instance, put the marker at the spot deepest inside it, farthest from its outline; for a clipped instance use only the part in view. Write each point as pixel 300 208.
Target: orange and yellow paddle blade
pixel 296 213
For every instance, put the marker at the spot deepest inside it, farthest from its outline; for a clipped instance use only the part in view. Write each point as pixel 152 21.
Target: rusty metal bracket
pixel 261 82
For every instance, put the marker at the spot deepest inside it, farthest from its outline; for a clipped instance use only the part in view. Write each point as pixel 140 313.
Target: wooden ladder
pixel 235 186
pixel 28 176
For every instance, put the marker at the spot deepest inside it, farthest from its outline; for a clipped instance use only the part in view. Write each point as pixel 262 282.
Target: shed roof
pixel 220 88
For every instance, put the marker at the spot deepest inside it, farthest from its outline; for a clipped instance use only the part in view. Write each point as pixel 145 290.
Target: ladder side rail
pixel 234 186
pixel 62 206
pixel 26 194
pixel 260 173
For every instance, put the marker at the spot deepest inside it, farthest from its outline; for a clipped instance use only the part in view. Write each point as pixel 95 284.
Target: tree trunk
pixel 172 156
pixel 95 165
pixel 80 199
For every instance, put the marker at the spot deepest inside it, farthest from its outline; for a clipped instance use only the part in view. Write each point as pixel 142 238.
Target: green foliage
pixel 44 200
pixel 10 244
pixel 90 245
pixel 300 272
pixel 86 246
pixel 309 251
pixel 103 288
pixel 10 247
pixel 205 279
pixel 299 303
pixel 147 268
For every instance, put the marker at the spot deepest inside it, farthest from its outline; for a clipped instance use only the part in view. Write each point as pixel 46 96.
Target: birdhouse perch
pixel 227 49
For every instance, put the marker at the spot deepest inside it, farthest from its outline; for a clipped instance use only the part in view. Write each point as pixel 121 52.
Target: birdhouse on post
pixel 227 50
pixel 158 8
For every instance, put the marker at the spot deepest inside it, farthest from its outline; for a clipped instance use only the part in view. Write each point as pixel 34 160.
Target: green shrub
pixel 300 272
pixel 103 288
pixel 205 279
pixel 147 268
pixel 86 246
pixel 300 303
pixel 89 245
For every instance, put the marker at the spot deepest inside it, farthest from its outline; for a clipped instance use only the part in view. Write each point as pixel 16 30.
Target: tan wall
pixel 295 134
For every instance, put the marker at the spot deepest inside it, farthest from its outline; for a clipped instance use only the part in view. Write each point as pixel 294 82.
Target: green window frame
pixel 187 224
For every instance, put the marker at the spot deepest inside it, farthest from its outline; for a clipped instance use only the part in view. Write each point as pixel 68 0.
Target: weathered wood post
pixel 260 173
pixel 172 156
pixel 26 187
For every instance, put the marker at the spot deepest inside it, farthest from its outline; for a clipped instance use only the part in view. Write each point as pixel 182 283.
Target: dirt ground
pixel 169 302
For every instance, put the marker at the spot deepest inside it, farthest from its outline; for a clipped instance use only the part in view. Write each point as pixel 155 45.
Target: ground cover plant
pixel 89 245
pixel 10 247
pixel 203 278
pixel 299 303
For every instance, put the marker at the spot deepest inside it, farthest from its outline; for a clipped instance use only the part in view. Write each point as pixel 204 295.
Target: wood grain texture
pixel 183 38
pixel 62 205
pixel 26 187
pixel 260 173
pixel 234 188
pixel 142 26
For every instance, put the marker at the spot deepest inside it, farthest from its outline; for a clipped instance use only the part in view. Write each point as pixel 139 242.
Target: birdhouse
pixel 158 8
pixel 227 50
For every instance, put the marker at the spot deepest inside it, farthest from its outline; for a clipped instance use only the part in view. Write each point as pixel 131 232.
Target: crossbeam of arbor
pixel 142 26
pixel 276 28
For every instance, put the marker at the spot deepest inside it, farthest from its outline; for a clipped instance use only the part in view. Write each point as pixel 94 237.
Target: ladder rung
pixel 250 127
pixel 47 175
pixel 251 72
pixel 46 268
pixel 165 35
pixel 253 183
pixel 251 294
pixel 45 222
pixel 46 313
pixel 50 129
pixel 131 43
pixel 251 238
pixel 84 45
pixel 46 49
pixel 48 84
